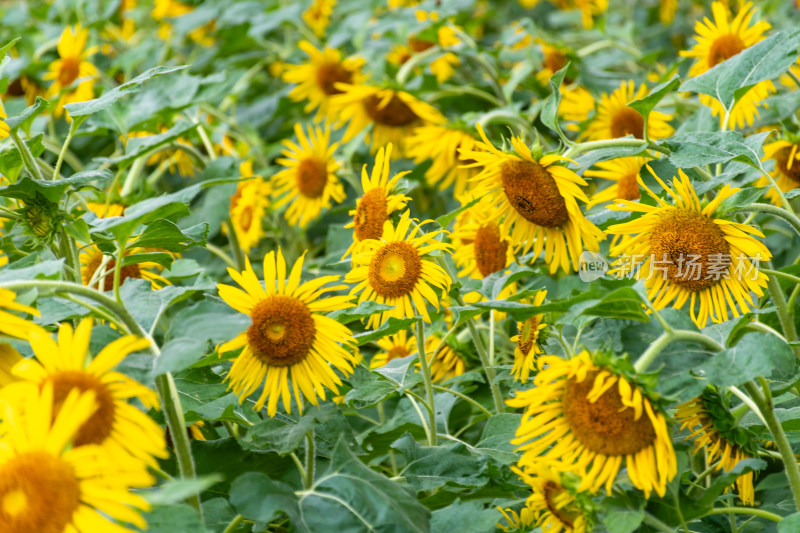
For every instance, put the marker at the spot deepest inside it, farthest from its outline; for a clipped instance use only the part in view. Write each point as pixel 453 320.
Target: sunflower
pixel 624 172
pixel 444 66
pixel 289 337
pixel 8 358
pixel 318 15
pixel 308 180
pixel 551 506
pixel 615 119
pixel 165 10
pixel 720 40
pixel 392 114
pixel 395 270
pixel 119 427
pixel 714 429
pixel 177 160
pixel 441 144
pixel 537 199
pixel 378 202
pixel 554 58
pixel 106 210
pixel 684 251
pixel 666 11
pixel 575 417
pixel 588 8
pixel 13 325
pixel 248 205
pixel 316 80
pixel 5 129
pixel 445 362
pixel 528 341
pixel 577 103
pixel 516 521
pixel 71 66
pixel 393 347
pixel 48 486
pixel 97 269
pixel 787 168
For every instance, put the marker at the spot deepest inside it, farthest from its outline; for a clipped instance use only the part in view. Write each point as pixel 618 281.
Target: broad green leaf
pixel 369 388
pixel 742 198
pixel 177 490
pixel 432 467
pixel 176 518
pixel 162 258
pixel 445 220
pixel 623 303
pixel 789 524
pixel 178 354
pixel 11 161
pixel 363 310
pixel 391 326
pixel 757 354
pixel 209 320
pixel 27 188
pixel 705 148
pixel 6 47
pixel 729 80
pixel 465 517
pixel 166 235
pixel 24 119
pixel 622 520
pixel 257 497
pixel 278 435
pixel 645 105
pixel 77 109
pixel 31 267
pixel 549 114
pixel 136 147
pixel 496 437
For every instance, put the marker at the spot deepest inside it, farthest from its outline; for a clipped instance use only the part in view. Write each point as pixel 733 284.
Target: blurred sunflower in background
pixel 685 252
pixel 71 66
pixel 289 339
pixel 624 173
pixel 589 8
pixel 248 205
pixel 445 362
pixel 308 182
pixel 318 15
pixel 577 103
pixel 551 506
pixel 615 119
pixel 396 346
pixel 721 39
pixel 177 160
pixel 441 145
pixel 97 269
pixel 528 341
pixel 12 324
pixel 787 168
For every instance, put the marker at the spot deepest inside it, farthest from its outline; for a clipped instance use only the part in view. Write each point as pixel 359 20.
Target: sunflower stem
pixel 785 318
pixel 238 519
pixel 69 251
pixel 465 398
pixel 118 271
pixel 657 524
pixel 746 510
pixel 133 174
pixel 73 127
pixel 236 249
pixel 26 155
pixel 779 436
pixel 647 358
pixel 580 148
pixel 771 210
pixel 311 460
pixel 426 378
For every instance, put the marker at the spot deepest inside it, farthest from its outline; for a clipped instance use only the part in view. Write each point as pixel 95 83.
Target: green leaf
pixel 27 188
pixel 725 480
pixel 742 198
pixel 362 310
pixel 465 517
pixel 257 497
pixel 89 107
pixel 6 47
pixel 757 354
pixel 623 303
pixel 391 326
pixel 789 524
pixel 24 119
pixel 177 518
pixel 445 220
pixel 496 437
pixel 162 258
pixel 11 161
pixel 549 114
pixel 705 148
pixel 729 80
pixel 645 105
pixel 166 235
pixel 31 267
pixel 432 467
pixel 179 354
pixel 140 146
pixel 369 388
pixel 178 490
pixel 621 520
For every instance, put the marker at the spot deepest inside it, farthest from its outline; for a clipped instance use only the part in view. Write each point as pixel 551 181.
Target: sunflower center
pixel 312 176
pixel 550 491
pixel 128 271
pixel 528 335
pixel 555 59
pixel 724 47
pixel 419 45
pixel 282 331
pixel 396 352
pixel 606 426
pixel 627 121
pixel 38 494
pixel 98 427
pixel 329 74
pixel 70 68
pixel 395 113
pixel 533 192
pixel 628 188
pixel 490 249
pixel 691 247
pixel 246 218
pixel 371 214
pixel 395 269
pixel 791 171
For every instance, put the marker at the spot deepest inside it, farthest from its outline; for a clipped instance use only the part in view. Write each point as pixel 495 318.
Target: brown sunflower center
pixel 627 121
pixel 312 176
pixel 555 59
pixel 628 187
pixel 127 271
pixel 246 218
pixel 98 427
pixel 70 68
pixel 371 214
pixel 528 334
pixel 606 426
pixel 282 331
pixel 782 164
pixel 38 494
pixel 419 45
pixel 395 269
pixel 329 74
pixel 533 192
pixel 724 47
pixel 490 249
pixel 396 352
pixel 691 248
pixel 550 490
pixel 395 113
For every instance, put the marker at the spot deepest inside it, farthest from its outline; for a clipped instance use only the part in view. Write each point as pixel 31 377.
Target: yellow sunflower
pixel 177 160
pixel 8 358
pixel 787 168
pixel 248 205
pixel 308 181
pixel 537 199
pixel 577 103
pixel 316 80
pixel 551 506
pixel 104 210
pixel 720 40
pixel 441 144
pixel 528 347
pixel 583 418
pixel 392 114
pixel 393 347
pixel 4 127
pixel 714 429
pixel 97 269
pixel 71 66
pixel 289 337
pixel 378 202
pixel 165 10
pixel 615 119
pixel 445 363
pixel 49 486
pixel 395 270
pixel 554 58
pixel 684 251
pixel 624 173
pixel 119 427
pixel 11 324
pixel 318 15
pixel 666 11
pixel 588 8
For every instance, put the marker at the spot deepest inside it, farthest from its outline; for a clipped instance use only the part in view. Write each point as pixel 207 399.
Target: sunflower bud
pixel 41 220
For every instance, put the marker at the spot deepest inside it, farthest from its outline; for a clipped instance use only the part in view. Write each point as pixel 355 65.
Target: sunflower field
pixel 397 266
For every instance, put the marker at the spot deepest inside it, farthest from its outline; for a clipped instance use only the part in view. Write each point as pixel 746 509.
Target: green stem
pixel 746 510
pixel 463 397
pixel 73 127
pixel 426 378
pixel 779 436
pixel 780 274
pixel 657 524
pixel 233 239
pixel 26 155
pixel 785 318
pixel 69 251
pixel 771 210
pixel 580 148
pixel 238 519
pixel 118 271
pixel 311 460
pixel 647 358
pixel 133 174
